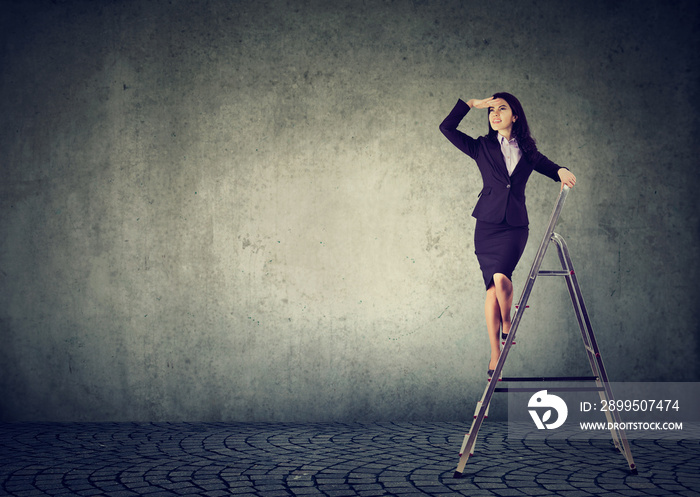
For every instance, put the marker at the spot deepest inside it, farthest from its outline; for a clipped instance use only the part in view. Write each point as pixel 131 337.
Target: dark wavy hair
pixel 521 130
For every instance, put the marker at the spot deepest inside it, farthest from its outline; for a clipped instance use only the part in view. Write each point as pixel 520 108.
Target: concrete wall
pixel 244 210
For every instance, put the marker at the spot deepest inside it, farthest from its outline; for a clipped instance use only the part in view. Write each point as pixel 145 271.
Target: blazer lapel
pixel 523 167
pixel 494 150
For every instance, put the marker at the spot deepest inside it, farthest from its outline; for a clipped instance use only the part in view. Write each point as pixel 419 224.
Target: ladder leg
pixel 471 429
pixel 467 449
pixel 482 407
pixel 617 433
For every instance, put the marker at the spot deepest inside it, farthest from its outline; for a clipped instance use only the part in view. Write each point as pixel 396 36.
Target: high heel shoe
pixel 504 336
pixel 490 371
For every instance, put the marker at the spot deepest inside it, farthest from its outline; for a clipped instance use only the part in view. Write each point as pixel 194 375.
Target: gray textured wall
pixel 244 210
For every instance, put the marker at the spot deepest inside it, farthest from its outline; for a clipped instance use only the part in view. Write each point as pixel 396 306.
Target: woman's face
pixel 501 116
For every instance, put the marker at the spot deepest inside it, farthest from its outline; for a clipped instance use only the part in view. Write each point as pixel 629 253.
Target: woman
pixel 506 157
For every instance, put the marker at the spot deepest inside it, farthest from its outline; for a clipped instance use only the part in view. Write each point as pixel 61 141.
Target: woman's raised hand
pixel 482 104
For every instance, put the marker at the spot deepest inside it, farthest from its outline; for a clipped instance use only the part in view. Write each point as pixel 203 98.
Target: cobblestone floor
pixel 404 459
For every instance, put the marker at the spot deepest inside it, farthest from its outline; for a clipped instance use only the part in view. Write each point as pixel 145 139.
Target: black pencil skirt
pixel 498 248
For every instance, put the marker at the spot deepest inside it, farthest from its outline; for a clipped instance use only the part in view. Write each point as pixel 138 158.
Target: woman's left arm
pixel 543 165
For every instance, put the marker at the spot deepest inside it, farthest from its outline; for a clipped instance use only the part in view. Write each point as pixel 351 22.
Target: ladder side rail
pixel 584 325
pixel 577 298
pixel 468 446
pixel 553 218
pixel 624 446
pixel 466 441
pixel 585 330
pixel 594 364
pixel 617 430
pixel 476 425
pixel 618 434
pixel 595 367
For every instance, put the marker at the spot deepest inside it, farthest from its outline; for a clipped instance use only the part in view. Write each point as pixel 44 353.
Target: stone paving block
pixel 301 483
pixel 537 491
pixel 339 493
pixel 371 493
pixel 366 487
pixel 242 491
pixel 432 489
pixel 320 480
pixel 360 481
pixel 394 484
pixel 307 491
pixel 577 493
pixel 333 487
pixel 492 486
pixel 508 492
pixel 479 493
pixel 558 487
pixel 149 491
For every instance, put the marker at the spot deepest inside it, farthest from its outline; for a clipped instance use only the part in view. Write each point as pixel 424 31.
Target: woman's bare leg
pixel 493 324
pixel 504 296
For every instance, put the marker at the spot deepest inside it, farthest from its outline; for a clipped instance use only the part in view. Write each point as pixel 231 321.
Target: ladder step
pixel 551 378
pixel 555 389
pixel 555 273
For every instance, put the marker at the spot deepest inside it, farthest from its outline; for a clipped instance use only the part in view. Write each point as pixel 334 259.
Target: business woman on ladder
pixel 506 157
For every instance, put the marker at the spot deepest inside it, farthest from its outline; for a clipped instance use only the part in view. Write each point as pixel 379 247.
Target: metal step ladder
pixel 600 377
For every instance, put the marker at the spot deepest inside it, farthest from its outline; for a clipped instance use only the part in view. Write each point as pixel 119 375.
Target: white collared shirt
pixel 511 152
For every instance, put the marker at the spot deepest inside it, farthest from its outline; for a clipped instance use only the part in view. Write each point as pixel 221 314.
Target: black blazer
pixel 503 196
